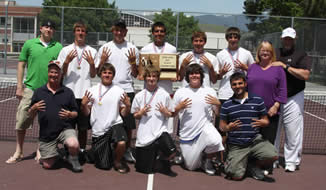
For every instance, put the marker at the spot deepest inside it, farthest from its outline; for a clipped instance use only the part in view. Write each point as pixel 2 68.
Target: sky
pixel 204 6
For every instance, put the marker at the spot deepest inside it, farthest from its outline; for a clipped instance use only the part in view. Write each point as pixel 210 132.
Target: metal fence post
pixel 6 40
pixel 62 24
pixel 177 32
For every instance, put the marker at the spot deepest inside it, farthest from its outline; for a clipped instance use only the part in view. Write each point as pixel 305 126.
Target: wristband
pixel 287 67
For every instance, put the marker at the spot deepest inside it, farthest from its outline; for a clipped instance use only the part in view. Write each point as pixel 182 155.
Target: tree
pixel 187 25
pixel 97 20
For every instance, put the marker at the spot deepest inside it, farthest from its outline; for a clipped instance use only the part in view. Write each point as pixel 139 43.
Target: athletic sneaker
pixel 290 167
pixel 256 173
pixel 128 156
pixel 73 160
pixel 208 167
pixel 276 164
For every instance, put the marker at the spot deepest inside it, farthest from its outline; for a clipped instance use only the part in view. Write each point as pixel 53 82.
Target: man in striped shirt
pixel 242 116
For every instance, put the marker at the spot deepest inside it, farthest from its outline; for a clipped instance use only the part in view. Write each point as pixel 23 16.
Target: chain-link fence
pixel 17 24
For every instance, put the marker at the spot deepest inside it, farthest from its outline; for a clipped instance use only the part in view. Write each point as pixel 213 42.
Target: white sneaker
pixel 276 164
pixel 290 167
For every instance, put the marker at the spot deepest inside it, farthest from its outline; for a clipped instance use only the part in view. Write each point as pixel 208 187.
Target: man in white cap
pixel 297 65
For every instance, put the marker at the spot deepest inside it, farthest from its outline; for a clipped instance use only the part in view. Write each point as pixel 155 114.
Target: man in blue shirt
pixel 242 116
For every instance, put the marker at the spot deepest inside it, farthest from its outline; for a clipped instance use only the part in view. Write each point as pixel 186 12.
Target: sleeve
pixel 224 112
pixel 176 98
pixel 24 52
pixel 98 57
pixel 219 62
pixel 169 103
pixel 137 55
pixel 250 60
pixel 135 104
pixel 261 107
pixel 215 64
pixel 62 57
pixel 181 58
pixel 281 95
pixel 73 103
pixel 305 62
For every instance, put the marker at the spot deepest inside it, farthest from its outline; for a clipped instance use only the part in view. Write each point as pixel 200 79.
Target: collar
pixel 45 88
pixel 250 96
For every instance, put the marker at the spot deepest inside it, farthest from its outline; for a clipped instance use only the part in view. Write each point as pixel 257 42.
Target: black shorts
pixel 102 149
pixel 82 121
pixel 146 156
pixel 129 121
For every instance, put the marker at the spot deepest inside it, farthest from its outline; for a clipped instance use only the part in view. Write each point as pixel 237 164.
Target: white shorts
pixel 209 141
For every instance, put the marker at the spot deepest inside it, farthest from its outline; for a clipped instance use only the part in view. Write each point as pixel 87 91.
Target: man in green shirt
pixel 36 54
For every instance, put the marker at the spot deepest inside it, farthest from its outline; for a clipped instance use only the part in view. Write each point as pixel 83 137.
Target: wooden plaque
pixel 168 63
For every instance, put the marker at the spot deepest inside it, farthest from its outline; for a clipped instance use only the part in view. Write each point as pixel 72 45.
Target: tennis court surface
pixel 27 174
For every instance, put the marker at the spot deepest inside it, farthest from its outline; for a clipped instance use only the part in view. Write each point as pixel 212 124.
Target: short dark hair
pixel 237 76
pixel 79 24
pixel 106 66
pixel 151 69
pixel 195 68
pixel 199 34
pixel 232 31
pixel 158 24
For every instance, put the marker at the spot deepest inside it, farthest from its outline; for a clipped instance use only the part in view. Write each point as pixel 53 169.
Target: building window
pixel 23 25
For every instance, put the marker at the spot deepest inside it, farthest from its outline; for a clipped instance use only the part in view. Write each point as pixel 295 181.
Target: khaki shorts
pixel 237 156
pixel 50 149
pixel 23 121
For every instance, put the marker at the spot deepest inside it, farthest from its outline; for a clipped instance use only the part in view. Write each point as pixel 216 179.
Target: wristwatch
pixel 287 67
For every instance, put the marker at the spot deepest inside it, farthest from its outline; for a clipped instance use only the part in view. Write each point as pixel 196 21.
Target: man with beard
pixel 297 65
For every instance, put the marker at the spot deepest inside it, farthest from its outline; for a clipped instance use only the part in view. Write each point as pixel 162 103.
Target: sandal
pixel 121 168
pixel 14 160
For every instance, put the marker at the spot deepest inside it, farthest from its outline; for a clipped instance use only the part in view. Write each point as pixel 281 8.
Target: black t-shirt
pixel 297 59
pixel 51 125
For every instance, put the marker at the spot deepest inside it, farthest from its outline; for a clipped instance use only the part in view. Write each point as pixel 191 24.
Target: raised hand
pixel 131 56
pixel 164 110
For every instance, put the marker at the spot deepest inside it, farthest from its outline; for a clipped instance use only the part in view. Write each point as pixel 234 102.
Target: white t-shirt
pixel 105 112
pixel 224 57
pixel 77 77
pixel 152 125
pixel 199 114
pixel 196 59
pixel 119 60
pixel 167 48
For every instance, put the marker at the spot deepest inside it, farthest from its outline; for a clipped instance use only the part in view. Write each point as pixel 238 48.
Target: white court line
pixel 7 99
pixel 150 181
pixel 313 115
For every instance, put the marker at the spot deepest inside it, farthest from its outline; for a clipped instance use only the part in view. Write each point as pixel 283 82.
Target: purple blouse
pixel 270 84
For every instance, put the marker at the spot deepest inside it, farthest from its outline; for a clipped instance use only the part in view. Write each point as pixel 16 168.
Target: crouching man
pixel 199 139
pixel 56 108
pixel 106 103
pixel 153 106
pixel 242 116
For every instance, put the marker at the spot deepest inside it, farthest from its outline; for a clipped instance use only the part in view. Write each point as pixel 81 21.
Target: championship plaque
pixel 168 63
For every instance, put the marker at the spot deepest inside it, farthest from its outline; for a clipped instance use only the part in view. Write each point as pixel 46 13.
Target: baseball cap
pixel 48 23
pixel 289 32
pixel 54 62
pixel 120 23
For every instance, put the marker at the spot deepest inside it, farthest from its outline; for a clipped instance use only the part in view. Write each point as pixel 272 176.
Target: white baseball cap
pixel 289 32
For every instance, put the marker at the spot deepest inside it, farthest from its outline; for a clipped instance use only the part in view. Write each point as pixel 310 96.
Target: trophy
pixel 168 64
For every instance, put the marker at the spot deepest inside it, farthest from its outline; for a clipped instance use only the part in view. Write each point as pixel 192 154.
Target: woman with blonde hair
pixel 268 82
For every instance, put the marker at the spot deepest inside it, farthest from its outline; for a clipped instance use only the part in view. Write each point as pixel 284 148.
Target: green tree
pixel 187 25
pixel 97 20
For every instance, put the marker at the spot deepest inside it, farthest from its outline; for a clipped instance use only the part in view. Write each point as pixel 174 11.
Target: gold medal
pixel 78 67
pixel 99 103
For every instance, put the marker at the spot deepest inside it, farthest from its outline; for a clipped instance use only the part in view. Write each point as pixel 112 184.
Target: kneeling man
pixel 152 106
pixel 199 139
pixel 106 103
pixel 242 116
pixel 56 108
